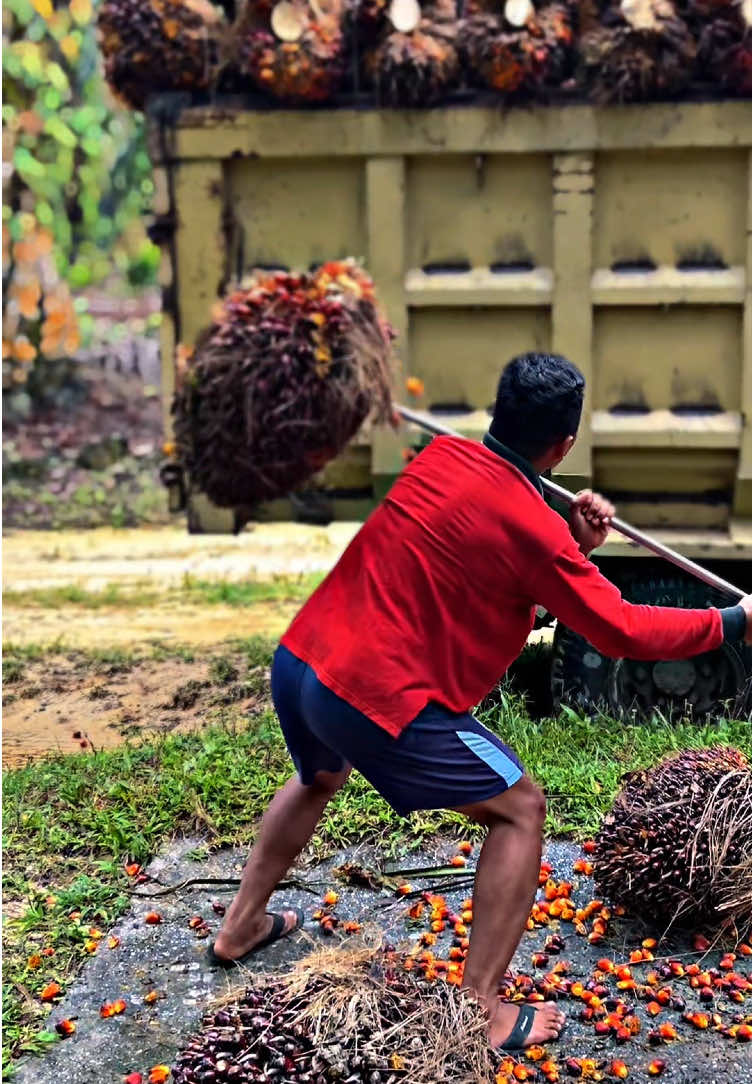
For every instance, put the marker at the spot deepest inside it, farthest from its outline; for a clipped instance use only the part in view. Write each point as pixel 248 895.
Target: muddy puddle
pixel 62 701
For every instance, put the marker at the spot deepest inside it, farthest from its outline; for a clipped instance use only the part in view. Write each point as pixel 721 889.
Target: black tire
pixel 713 684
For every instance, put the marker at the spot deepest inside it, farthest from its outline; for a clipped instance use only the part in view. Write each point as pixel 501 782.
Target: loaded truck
pixel 618 236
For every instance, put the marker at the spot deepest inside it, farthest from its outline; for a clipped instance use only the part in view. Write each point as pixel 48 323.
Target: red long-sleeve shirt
pixel 436 595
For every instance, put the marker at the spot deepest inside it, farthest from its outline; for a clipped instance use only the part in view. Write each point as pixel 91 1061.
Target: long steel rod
pixel 700 573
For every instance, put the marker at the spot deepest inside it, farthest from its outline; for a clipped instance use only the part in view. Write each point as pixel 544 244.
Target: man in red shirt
pixel 430 603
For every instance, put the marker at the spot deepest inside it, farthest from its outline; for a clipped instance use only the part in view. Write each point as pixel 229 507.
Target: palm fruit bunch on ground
pixel 722 32
pixel 676 845
pixel 522 50
pixel 153 46
pixel 293 50
pixel 415 61
pixel 289 369
pixel 634 51
pixel 343 1013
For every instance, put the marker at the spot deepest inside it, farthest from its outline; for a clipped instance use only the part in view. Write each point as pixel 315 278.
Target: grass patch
pixel 190 591
pixel 71 822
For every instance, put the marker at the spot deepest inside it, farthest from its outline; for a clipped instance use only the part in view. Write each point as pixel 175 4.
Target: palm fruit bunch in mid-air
pixel 293 50
pixel 722 31
pixel 676 845
pixel 153 46
pixel 289 369
pixel 634 51
pixel 522 50
pixel 415 61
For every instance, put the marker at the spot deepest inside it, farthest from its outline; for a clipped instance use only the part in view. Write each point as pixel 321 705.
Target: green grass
pixel 190 590
pixel 71 822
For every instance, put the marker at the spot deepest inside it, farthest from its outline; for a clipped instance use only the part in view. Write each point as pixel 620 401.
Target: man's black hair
pixel 539 403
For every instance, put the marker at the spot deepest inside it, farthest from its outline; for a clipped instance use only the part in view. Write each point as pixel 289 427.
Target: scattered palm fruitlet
pixel 416 67
pixel 722 29
pixel 153 46
pixel 290 368
pixel 294 52
pixel 636 51
pixel 517 61
pixel 676 845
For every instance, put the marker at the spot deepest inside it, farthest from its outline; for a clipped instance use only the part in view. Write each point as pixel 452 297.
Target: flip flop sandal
pixel 278 931
pixel 517 1037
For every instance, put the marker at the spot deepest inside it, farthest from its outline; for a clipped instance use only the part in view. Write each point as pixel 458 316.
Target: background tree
pixel 76 177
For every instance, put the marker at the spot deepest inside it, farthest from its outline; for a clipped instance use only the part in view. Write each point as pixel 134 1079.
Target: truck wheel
pixel 716 683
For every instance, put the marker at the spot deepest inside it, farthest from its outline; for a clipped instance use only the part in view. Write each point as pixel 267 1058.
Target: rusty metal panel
pixel 295 213
pixel 458 353
pixel 676 206
pixel 618 236
pixel 478 210
pixel 664 488
pixel 682 358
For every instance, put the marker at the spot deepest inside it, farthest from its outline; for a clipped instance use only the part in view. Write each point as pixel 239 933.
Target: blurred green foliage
pixel 76 178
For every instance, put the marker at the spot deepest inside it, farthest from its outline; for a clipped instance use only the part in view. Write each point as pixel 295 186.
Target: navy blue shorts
pixel 440 761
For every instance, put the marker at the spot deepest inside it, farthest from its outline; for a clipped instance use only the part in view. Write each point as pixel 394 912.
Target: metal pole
pixel 684 563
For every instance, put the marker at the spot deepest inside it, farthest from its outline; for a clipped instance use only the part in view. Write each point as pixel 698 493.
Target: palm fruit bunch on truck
pixel 293 50
pixel 151 46
pixel 634 51
pixel 521 50
pixel 676 845
pixel 415 60
pixel 722 32
pixel 288 371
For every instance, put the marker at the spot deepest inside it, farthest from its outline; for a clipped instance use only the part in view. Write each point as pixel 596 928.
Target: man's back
pixel 432 600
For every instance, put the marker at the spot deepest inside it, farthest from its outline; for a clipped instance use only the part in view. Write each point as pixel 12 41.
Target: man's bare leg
pixel 286 828
pixel 507 876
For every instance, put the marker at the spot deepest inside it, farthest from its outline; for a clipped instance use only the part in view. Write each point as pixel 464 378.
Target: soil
pixel 66 692
pixel 94 459
pixel 65 700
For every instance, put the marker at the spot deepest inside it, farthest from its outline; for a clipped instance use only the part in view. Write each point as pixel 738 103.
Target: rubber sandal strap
pixel 278 930
pixel 517 1037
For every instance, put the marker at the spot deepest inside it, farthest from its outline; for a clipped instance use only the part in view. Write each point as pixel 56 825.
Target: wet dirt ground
pixel 63 694
pixel 64 699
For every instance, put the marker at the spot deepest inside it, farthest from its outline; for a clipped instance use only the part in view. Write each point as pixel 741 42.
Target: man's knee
pixel 330 782
pixel 522 804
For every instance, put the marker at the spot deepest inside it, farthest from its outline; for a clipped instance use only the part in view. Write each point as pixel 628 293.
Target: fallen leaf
pixel 34 961
pixel 153 918
pixel 65 1028
pixel 113 942
pixel 158 1074
pixel 151 997
pixel 51 991
pixel 133 1078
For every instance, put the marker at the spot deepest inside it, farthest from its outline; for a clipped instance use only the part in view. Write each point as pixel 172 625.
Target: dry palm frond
pixel 677 844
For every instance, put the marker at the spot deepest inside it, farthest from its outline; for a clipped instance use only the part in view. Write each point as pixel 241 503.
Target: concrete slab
pixel 170 958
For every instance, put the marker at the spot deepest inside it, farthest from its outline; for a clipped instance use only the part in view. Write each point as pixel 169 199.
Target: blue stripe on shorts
pixel 442 760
